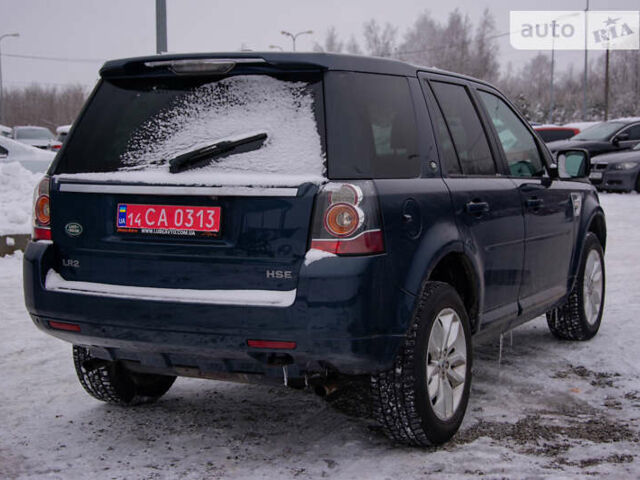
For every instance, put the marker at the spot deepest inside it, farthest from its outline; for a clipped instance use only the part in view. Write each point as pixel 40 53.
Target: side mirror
pixel 574 163
pixel 621 137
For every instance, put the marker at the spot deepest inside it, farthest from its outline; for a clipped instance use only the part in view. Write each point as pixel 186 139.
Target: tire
pixel 111 382
pixel 401 400
pixel 577 318
pixel 638 183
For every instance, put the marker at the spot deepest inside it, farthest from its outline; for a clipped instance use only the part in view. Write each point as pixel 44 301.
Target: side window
pixel 449 157
pixel 634 132
pixel 3 151
pixel 466 129
pixel 519 145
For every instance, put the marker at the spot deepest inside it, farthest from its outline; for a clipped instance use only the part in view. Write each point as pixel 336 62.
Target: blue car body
pixel 511 261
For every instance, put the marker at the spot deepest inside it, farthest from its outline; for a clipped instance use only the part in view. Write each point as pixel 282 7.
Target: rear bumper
pixel 344 316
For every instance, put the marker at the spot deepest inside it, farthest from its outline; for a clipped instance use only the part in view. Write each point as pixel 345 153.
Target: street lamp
pixel 1 38
pixel 293 37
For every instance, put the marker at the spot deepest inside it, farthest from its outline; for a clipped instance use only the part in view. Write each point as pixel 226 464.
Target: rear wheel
pixel 579 318
pixel 111 382
pixel 423 398
pixel 638 183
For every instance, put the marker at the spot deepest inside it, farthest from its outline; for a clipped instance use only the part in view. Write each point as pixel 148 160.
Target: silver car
pixel 31 158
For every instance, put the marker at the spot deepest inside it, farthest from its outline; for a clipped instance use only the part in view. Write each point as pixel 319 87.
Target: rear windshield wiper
pixel 205 155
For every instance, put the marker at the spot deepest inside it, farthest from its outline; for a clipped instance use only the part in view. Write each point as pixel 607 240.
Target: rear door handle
pixel 477 208
pixel 534 202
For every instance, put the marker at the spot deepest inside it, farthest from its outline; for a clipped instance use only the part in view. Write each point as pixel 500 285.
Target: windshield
pixel 133 127
pixel 602 131
pixel 34 133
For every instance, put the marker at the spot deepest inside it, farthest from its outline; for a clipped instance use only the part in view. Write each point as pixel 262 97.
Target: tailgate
pixel 261 240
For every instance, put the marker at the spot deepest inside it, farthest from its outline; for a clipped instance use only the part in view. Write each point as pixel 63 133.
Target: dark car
pixel 611 136
pixel 552 133
pixel 313 219
pixel 617 171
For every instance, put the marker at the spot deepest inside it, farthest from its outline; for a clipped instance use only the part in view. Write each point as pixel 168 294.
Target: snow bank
pixel 235 107
pixel 16 198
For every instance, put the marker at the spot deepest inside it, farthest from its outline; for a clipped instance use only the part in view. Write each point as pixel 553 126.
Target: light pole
pixel 586 66
pixel 1 93
pixel 295 36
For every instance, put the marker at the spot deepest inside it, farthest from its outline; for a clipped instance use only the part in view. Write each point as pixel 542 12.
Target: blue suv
pixel 309 219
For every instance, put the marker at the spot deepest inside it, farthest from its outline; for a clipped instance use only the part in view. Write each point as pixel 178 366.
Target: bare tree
pixel 353 47
pixel 380 42
pixel 331 42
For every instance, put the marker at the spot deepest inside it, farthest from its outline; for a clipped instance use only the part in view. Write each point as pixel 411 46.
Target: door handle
pixel 477 208
pixel 534 202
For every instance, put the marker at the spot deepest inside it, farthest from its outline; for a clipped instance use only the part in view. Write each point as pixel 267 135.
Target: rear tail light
pixel 347 220
pixel 42 211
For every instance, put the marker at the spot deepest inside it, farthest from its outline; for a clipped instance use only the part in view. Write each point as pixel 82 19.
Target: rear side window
pixel 466 129
pixel 634 132
pixel 371 126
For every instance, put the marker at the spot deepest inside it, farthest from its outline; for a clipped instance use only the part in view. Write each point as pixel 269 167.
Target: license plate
pixel 168 219
pixel 596 175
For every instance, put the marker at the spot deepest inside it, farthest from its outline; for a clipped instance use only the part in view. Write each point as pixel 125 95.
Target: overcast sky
pixel 88 32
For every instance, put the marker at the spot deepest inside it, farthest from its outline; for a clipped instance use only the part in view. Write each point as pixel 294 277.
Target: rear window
pixel 371 126
pixel 34 133
pixel 133 127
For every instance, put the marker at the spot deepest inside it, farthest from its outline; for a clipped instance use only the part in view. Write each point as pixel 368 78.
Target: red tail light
pixel 347 220
pixel 42 211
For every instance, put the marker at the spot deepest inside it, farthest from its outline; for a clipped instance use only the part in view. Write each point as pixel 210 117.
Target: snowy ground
pixel 553 409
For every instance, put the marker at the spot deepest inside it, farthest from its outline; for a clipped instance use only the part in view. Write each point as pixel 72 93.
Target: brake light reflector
pixel 70 327
pixel 277 345
pixel 42 211
pixel 347 219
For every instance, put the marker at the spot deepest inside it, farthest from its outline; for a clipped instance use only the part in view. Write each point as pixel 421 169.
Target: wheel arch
pixel 596 224
pixel 457 269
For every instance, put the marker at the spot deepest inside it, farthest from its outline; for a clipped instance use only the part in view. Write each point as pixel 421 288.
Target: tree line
pixel 462 46
pixel 47 106
pixel 457 44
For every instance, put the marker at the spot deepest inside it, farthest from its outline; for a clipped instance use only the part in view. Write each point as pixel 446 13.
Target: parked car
pixel 39 137
pixel 618 171
pixel 5 131
pixel 551 133
pixel 62 131
pixel 358 218
pixel 611 136
pixel 30 158
pixel 581 125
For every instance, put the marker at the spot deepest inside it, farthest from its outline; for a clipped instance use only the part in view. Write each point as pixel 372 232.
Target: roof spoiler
pixel 204 64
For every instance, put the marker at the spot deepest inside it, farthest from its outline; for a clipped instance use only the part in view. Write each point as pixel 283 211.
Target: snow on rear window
pixel 232 108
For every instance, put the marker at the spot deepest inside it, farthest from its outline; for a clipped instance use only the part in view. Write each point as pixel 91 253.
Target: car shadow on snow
pixel 522 403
